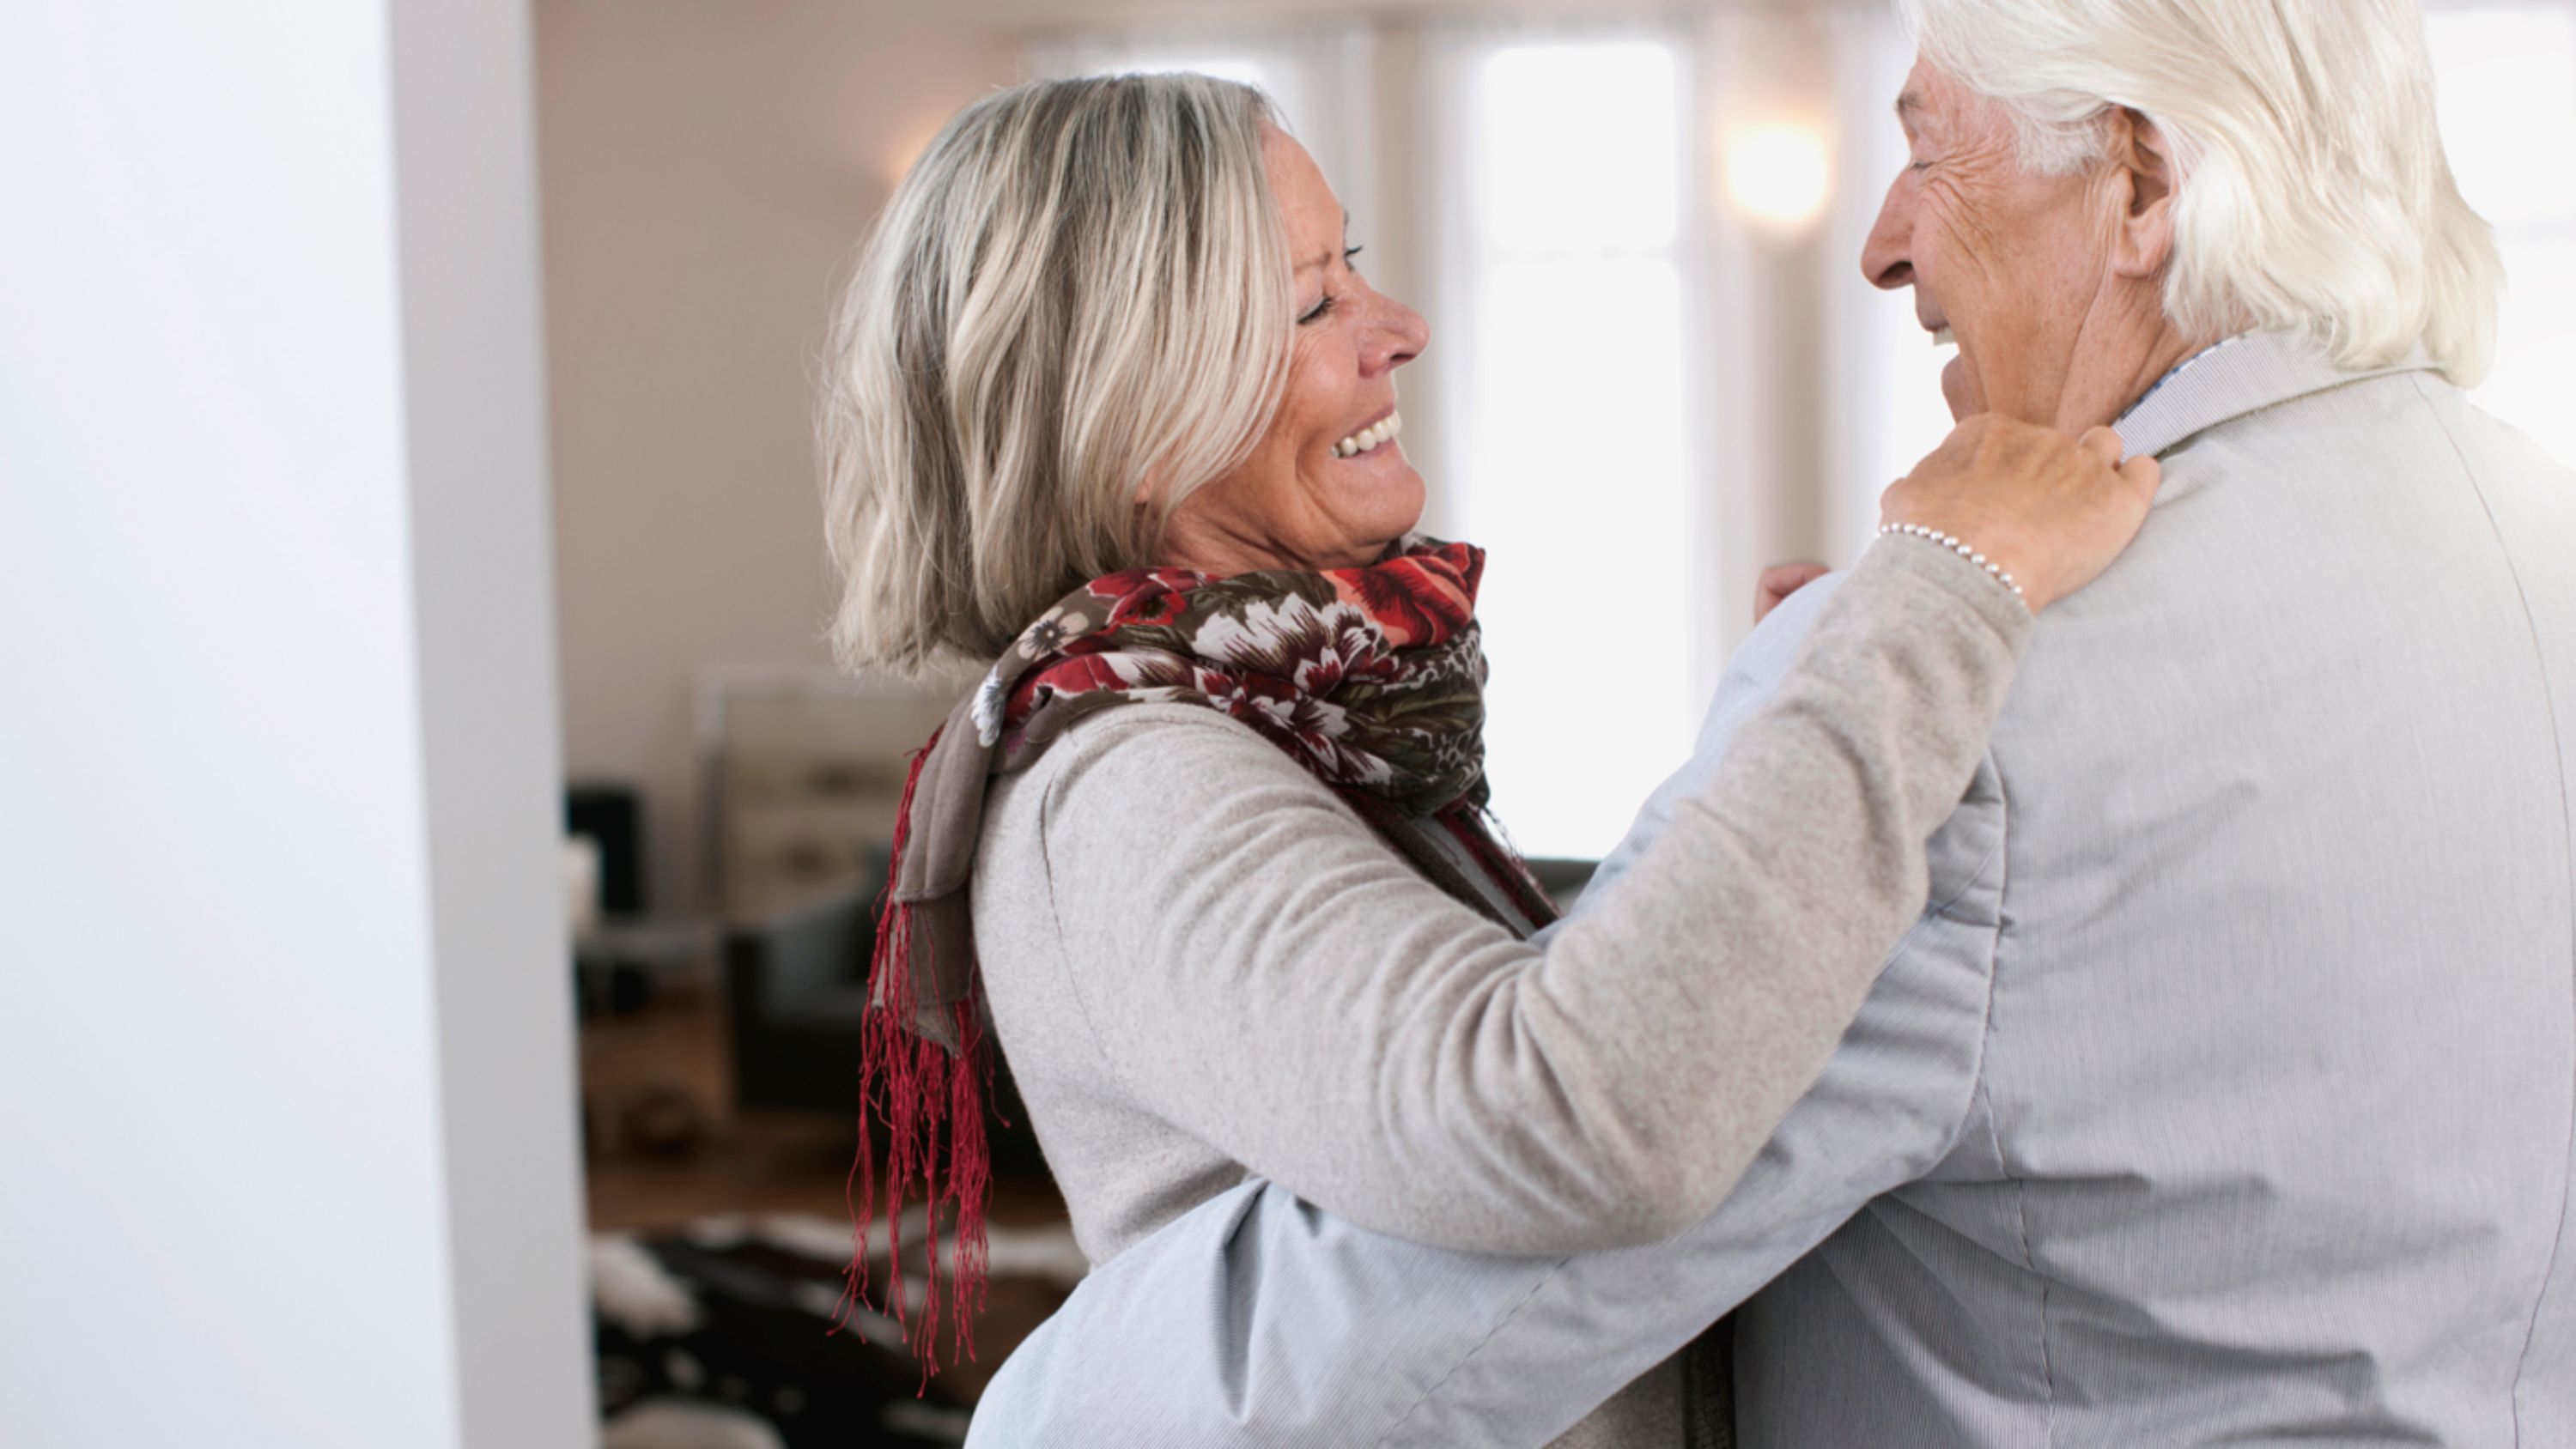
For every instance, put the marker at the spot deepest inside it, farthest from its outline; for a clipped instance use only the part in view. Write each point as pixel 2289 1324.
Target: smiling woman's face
pixel 1328 486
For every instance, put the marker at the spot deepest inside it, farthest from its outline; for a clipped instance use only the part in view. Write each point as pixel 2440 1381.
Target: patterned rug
pixel 715 1337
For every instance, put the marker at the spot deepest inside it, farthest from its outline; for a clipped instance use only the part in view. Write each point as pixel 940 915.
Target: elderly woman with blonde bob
pixel 1112 410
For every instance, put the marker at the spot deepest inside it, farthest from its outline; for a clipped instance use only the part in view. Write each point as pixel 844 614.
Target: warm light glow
pixel 1778 175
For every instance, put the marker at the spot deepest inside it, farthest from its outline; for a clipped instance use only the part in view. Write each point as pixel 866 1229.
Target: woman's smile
pixel 1371 439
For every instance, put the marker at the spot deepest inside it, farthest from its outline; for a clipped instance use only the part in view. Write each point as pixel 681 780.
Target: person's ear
pixel 2145 183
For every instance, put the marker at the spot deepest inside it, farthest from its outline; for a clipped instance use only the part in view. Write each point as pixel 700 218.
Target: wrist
pixel 1993 567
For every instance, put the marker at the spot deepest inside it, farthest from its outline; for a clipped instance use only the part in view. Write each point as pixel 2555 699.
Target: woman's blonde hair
pixel 1079 295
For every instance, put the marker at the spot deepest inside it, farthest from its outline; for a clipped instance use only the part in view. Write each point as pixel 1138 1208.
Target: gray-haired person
pixel 2223 1091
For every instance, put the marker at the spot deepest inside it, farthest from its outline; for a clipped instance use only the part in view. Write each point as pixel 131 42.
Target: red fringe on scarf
pixel 931 1101
pixel 1483 839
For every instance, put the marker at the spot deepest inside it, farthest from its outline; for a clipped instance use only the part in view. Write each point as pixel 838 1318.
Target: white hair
pixel 1079 294
pixel 2311 187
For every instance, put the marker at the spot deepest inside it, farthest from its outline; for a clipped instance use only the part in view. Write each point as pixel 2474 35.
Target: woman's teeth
pixel 1943 337
pixel 1369 437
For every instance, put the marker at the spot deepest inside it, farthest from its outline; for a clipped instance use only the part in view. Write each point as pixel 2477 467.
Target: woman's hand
pixel 2052 512
pixel 1779 581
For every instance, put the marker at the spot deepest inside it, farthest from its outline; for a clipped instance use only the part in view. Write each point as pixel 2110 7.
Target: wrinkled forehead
pixel 1936 103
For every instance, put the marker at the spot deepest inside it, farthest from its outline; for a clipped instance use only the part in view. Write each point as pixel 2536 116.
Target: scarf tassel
pixel 931 1102
pixel 1483 838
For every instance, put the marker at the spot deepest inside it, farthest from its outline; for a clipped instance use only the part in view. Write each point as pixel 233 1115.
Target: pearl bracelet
pixel 1995 571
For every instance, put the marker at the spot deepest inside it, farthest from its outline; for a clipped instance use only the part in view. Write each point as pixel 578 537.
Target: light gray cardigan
pixel 1202 965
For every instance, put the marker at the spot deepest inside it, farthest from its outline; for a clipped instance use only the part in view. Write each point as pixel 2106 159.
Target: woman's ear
pixel 1148 520
pixel 2145 160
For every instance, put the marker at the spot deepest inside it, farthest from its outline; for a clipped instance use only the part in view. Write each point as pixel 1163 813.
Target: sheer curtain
pixel 1567 271
pixel 1885 372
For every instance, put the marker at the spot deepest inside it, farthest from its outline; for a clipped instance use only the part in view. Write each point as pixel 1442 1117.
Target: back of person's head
pixel 1076 302
pixel 2312 190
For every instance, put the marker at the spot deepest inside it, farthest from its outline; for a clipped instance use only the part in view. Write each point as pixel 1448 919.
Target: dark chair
pixel 796 987
pixel 613 816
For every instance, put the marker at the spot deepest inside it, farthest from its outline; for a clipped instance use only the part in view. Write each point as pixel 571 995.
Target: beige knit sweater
pixel 1202 965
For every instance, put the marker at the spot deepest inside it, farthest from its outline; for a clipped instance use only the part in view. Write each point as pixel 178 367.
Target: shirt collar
pixel 2244 374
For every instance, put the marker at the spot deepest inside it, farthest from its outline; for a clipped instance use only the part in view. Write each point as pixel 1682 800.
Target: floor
pixel 664 1147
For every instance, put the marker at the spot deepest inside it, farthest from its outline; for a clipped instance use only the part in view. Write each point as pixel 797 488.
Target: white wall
pixel 283 1030
pixel 707 169
pixel 474 387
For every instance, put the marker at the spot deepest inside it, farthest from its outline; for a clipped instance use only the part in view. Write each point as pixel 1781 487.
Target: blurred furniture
pixel 617 964
pixel 803 772
pixel 580 883
pixel 619 968
pixel 720 1325
pixel 621 950
pixel 611 815
pixel 1563 880
pixel 676 1423
pixel 796 988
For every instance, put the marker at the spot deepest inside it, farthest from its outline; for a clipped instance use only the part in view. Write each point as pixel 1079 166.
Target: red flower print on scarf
pixel 1316 648
pixel 1346 650
pixel 1419 598
pixel 1149 604
pixel 1151 597
pixel 1354 672
pixel 1312 729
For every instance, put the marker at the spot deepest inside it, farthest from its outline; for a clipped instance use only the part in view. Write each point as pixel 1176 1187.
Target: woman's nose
pixel 1403 332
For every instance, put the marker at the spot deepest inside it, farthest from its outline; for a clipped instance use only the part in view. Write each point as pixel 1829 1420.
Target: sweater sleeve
pixel 1259 969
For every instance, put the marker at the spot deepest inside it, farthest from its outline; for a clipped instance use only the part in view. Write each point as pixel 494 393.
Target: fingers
pixel 2104 444
pixel 1779 582
pixel 2144 474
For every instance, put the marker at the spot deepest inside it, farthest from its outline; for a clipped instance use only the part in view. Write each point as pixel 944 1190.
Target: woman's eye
pixel 1324 308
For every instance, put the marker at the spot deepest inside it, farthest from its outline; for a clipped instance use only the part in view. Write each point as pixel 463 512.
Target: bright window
pixel 2506 77
pixel 1887 409
pixel 1570 438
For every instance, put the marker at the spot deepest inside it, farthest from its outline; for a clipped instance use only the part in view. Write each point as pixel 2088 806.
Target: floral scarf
pixel 1372 678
